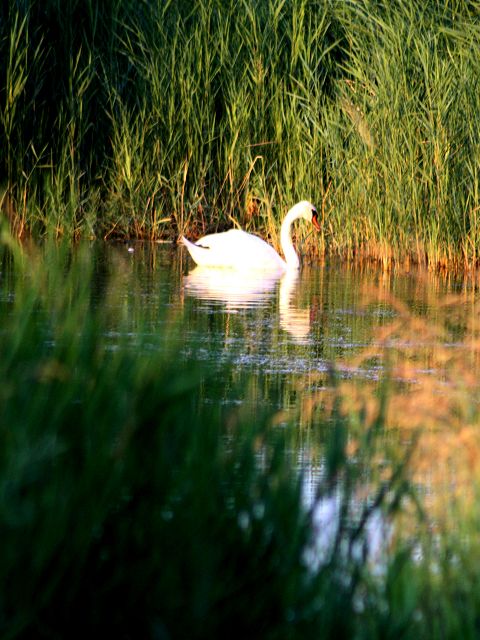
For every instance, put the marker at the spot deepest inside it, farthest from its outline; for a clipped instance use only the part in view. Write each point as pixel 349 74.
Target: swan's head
pixel 307 211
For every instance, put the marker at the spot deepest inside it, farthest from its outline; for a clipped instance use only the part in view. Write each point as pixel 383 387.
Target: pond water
pixel 281 340
pixel 282 328
pixel 287 347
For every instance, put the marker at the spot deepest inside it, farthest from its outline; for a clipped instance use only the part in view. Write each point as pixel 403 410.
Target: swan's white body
pixel 238 249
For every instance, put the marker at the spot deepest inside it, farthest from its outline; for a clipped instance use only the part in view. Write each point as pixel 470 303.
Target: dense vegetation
pixel 149 119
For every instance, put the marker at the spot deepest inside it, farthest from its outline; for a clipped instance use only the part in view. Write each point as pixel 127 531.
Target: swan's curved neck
pixel 291 257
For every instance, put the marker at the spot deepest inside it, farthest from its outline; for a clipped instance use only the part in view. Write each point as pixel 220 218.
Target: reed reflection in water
pixel 418 330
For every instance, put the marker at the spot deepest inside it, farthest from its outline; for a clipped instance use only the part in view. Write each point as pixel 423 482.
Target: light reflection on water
pixel 235 289
pixel 419 328
pixel 280 326
pixel 274 339
pixel 270 343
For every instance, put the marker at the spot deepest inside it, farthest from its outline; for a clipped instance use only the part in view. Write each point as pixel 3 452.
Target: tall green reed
pixel 156 119
pixel 410 70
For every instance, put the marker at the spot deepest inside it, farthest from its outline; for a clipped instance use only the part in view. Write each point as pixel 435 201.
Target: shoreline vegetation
pixel 126 119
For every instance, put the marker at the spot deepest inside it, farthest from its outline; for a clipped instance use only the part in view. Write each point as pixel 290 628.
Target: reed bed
pixel 153 119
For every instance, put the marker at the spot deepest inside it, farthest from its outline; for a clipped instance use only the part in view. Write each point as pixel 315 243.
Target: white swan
pixel 240 250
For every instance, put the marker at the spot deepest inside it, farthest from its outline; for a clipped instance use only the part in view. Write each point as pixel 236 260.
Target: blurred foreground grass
pixel 130 507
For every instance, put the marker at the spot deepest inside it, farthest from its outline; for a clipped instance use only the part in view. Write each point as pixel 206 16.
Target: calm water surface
pixel 274 328
pixel 270 344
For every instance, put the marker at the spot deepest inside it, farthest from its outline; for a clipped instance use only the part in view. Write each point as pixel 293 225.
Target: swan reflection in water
pixel 294 319
pixel 247 289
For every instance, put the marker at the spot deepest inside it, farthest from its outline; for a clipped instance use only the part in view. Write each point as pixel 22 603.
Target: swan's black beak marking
pixel 315 221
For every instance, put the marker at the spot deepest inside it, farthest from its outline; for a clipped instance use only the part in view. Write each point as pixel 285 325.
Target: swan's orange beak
pixel 315 221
